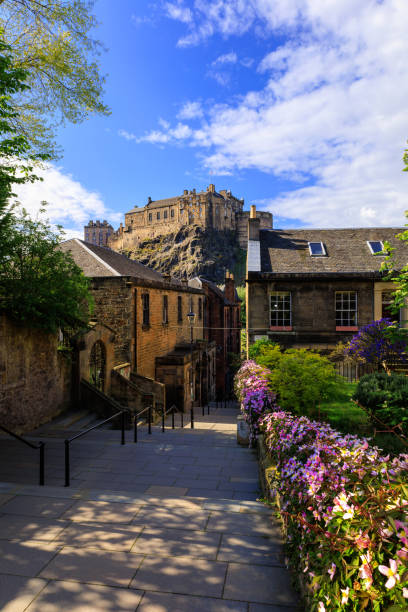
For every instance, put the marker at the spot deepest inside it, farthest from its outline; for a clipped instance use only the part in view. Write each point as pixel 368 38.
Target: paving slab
pixel 181 575
pixel 20 527
pixel 73 597
pixel 177 517
pixel 251 550
pixel 16 592
pixel 165 602
pixel 166 491
pixel 265 608
pixel 25 558
pixel 110 568
pixel 259 584
pixel 177 542
pixel 30 505
pixel 238 522
pixel 101 511
pixel 213 493
pixel 110 537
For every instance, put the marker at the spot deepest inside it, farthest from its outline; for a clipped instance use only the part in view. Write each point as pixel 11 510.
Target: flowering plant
pixel 344 506
pixel 254 395
pixel 380 343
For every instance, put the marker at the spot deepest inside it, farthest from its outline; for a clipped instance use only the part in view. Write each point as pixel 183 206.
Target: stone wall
pixel 313 310
pixel 34 376
pixel 266 222
pixel 159 338
pixel 113 307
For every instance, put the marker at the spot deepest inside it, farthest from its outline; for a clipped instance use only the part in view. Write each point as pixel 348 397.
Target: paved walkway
pixel 166 525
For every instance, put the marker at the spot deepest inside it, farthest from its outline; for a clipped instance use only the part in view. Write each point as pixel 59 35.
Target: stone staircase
pixel 169 524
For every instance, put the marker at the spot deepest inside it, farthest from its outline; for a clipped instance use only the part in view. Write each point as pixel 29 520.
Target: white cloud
pixel 69 203
pixel 226 58
pixel 178 12
pixel 190 110
pixel 332 110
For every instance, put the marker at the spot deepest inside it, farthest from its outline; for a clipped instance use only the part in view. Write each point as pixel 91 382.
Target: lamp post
pixel 191 317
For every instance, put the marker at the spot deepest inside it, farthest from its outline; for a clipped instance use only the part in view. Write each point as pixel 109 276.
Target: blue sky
pixel 298 106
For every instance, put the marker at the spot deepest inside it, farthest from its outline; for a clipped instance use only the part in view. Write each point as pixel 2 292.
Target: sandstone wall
pixel 266 222
pixel 34 376
pixel 159 338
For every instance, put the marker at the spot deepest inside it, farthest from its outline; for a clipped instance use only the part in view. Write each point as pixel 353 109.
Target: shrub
pixel 300 378
pixel 380 343
pixel 345 511
pixel 254 395
pixel 385 398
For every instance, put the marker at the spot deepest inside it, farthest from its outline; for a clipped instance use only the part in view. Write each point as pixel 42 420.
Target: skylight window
pixel 376 247
pixel 316 249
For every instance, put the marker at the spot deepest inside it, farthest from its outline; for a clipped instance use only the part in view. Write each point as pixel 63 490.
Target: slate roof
pixel 287 251
pixel 102 261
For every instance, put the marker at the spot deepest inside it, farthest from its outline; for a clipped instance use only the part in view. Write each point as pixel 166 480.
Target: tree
pixel 16 158
pixel 379 343
pixel 50 39
pixel 41 285
pixel 405 160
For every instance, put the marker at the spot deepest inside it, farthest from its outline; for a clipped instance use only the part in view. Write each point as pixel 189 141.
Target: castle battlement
pixel 209 209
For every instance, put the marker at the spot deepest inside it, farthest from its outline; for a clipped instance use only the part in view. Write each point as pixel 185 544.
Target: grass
pixel 345 416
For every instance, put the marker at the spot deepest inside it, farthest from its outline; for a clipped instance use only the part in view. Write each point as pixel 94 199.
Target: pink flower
pixel 391 573
pixel 332 571
pixel 365 569
pixel 321 607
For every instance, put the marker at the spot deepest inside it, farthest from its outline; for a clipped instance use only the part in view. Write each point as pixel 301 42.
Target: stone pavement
pixel 169 524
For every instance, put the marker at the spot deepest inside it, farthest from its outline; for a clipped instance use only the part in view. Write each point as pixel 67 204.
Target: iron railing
pixel 40 446
pixel 83 433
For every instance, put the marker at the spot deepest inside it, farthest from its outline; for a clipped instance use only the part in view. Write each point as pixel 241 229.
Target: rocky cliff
pixel 193 251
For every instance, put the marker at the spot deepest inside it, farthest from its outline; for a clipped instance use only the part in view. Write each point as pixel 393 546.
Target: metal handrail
pixel 166 412
pixel 67 442
pixel 40 446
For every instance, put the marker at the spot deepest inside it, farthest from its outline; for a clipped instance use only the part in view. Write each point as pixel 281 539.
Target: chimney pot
pixel 252 214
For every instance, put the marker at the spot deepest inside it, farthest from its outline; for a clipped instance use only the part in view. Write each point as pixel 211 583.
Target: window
pixel 150 217
pixel 376 247
pixel 165 214
pixel 158 216
pixel 280 310
pixel 316 249
pixel 386 303
pixel 146 308
pixel 179 309
pixel 346 310
pixel 200 309
pixel 165 309
pixel 172 212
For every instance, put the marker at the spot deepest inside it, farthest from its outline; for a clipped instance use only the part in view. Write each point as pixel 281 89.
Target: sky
pixel 297 106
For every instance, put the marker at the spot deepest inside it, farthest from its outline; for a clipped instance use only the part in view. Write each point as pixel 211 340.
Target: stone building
pixel 210 209
pixel 222 325
pixel 148 315
pixel 97 232
pixel 314 288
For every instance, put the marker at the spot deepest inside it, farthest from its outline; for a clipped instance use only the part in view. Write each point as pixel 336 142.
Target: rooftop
pixel 346 250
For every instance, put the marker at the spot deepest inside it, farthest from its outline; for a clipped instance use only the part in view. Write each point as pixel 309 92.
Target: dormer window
pixel 316 249
pixel 376 247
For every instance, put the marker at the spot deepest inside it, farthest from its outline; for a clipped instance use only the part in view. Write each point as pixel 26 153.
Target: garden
pixel 342 498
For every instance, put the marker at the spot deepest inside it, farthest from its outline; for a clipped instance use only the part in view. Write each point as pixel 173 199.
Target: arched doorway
pixel 97 365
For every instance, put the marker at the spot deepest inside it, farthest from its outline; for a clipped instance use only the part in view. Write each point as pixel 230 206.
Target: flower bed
pixel 345 512
pixel 254 395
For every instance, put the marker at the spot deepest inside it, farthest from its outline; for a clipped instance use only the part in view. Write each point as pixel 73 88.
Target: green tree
pixel 16 157
pixel 41 285
pixel 50 39
pixel 405 160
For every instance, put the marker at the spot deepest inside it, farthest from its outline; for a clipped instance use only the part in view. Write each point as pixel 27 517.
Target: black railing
pixel 171 410
pixel 39 446
pixel 83 433
pixel 149 421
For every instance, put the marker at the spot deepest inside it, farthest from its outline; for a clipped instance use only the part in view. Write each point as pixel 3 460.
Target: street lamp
pixel 191 317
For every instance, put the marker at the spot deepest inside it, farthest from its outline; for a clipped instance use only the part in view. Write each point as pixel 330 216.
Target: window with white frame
pixel 280 309
pixel 316 249
pixel 346 308
pixel 376 247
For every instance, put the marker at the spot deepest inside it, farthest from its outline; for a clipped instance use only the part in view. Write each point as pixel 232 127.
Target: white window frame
pixel 342 324
pixel 274 323
pixel 323 254
pixel 371 250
